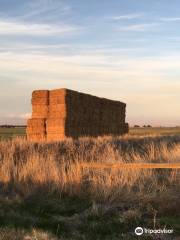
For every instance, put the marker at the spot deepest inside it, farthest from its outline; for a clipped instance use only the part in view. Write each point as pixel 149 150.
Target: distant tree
pixel 144 126
pixel 6 126
pixel 136 126
pixel 12 126
pixel 149 126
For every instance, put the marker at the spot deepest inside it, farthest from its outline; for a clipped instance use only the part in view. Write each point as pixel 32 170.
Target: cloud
pixel 24 116
pixel 16 118
pixel 172 19
pixel 66 49
pixel 19 28
pixel 127 16
pixel 141 27
pixel 100 66
pixel 138 27
pixel 20 116
pixel 46 9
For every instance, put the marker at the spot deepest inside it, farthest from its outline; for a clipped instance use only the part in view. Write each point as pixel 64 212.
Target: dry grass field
pixel 45 193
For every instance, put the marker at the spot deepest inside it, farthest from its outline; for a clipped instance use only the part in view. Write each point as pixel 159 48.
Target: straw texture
pixel 66 113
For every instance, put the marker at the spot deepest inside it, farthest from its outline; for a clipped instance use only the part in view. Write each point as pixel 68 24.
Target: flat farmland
pixel 155 131
pixel 6 133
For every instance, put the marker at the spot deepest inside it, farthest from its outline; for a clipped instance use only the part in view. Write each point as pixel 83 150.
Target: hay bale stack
pixel 68 113
pixel 74 114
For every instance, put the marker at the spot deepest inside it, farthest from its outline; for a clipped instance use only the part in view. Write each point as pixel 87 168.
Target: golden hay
pixel 40 111
pixel 36 137
pixel 40 101
pixel 74 114
pixel 40 93
pixel 55 136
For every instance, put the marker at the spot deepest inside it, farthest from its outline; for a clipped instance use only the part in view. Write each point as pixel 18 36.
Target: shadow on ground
pixel 73 217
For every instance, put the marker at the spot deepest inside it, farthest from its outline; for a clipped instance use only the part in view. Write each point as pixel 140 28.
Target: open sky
pixel 127 50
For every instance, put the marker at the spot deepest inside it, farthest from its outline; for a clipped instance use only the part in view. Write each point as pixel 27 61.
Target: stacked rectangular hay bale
pixel 68 113
pixel 36 125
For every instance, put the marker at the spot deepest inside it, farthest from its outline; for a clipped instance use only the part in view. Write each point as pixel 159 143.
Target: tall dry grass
pixel 45 190
pixel 56 167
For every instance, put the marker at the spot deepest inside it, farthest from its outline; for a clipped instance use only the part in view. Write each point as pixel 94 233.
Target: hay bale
pixel 58 111
pixel 36 126
pixel 36 137
pixel 40 93
pixel 55 136
pixel 58 92
pixel 55 124
pixel 40 111
pixel 40 101
pixel 36 122
pixel 57 96
pixel 31 130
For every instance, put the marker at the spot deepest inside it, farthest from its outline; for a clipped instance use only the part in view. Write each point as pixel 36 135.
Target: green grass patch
pixel 6 133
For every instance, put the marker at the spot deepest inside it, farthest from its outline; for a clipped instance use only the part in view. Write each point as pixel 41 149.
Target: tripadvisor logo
pixel 139 231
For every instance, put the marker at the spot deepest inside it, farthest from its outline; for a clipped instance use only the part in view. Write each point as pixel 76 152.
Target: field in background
pixel 155 131
pixel 45 193
pixel 6 133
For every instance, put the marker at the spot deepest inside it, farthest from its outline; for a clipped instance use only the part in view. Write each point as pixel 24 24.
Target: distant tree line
pixel 12 126
pixel 144 126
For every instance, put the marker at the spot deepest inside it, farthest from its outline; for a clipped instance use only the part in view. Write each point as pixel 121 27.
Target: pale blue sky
pixel 127 50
